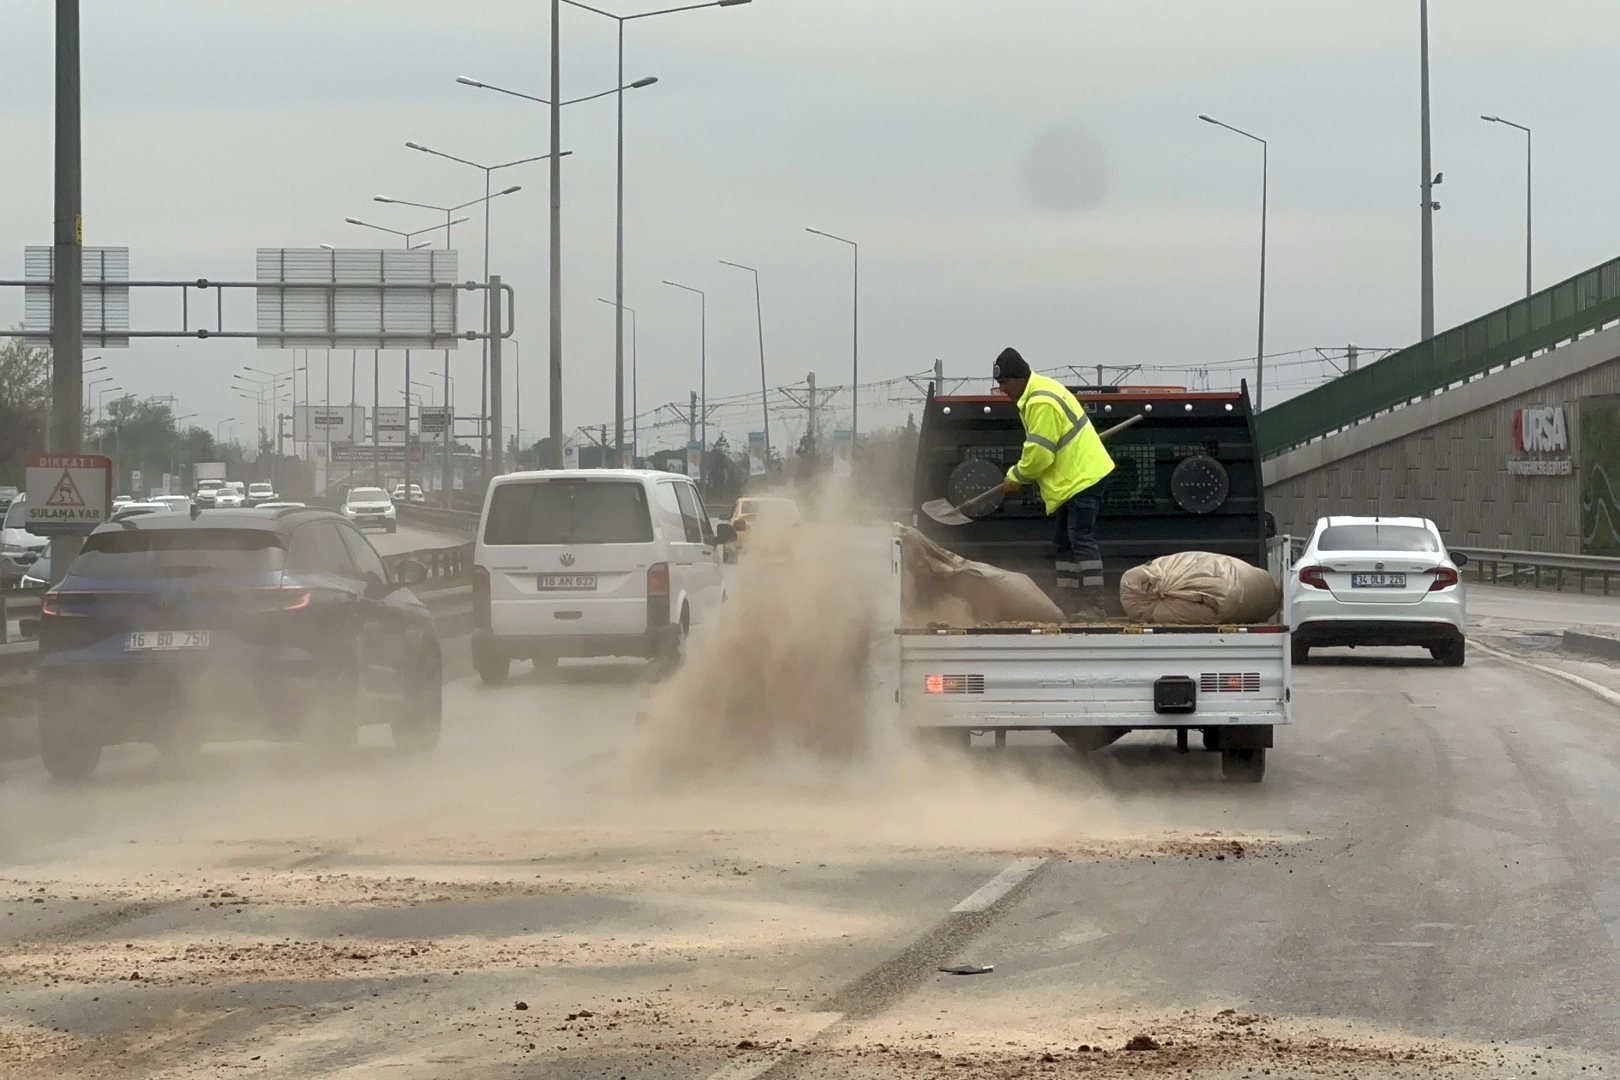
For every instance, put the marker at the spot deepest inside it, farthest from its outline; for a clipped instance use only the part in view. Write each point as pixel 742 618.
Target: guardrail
pixel 23 606
pixel 438 517
pixel 1533 568
pixel 446 566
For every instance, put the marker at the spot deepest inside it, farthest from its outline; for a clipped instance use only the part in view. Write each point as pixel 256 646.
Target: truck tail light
pixel 1312 576
pixel 480 598
pixel 1444 578
pixel 658 594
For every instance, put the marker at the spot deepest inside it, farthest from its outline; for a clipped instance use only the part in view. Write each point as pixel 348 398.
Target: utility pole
pixel 497 456
pixel 67 268
pixel 1428 177
pixel 1350 355
pixel 691 425
pixel 939 376
pixel 810 421
pixel 556 402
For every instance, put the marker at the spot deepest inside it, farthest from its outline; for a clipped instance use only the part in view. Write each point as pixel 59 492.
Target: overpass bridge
pixel 1504 430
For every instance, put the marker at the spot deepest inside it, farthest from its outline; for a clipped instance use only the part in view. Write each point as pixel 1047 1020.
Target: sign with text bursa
pixel 68 494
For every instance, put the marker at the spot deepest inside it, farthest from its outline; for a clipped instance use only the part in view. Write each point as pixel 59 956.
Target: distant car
pixel 122 501
pixel 179 503
pixel 756 514
pixel 231 495
pixel 206 490
pixel 1379 581
pixel 19 548
pixel 37 576
pixel 370 508
pixel 7 495
pixel 279 506
pixel 261 492
pixel 592 562
pixel 416 493
pixel 291 615
pixel 136 509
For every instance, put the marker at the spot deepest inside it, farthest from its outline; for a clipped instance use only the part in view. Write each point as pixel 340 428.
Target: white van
pixel 592 562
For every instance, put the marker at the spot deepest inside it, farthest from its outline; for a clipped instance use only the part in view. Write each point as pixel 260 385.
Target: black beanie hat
pixel 1009 365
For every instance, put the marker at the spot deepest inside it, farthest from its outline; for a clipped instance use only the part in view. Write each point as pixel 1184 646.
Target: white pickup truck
pixel 1092 684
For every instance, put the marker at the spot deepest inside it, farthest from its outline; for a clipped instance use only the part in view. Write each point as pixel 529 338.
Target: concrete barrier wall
pixel 1446 458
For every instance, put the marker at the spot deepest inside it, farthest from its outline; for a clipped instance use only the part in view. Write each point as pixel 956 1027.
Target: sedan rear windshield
pixel 569 512
pixel 1375 537
pixel 178 553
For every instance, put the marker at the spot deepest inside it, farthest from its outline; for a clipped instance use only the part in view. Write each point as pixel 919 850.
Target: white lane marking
pixel 998 886
pixel 807 1028
pixel 1601 692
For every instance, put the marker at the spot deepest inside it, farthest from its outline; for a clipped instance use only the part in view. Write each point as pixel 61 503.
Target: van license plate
pixel 1378 581
pixel 567 582
pixel 166 640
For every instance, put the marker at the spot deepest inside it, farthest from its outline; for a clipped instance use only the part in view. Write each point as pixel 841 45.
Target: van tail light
pixel 480 598
pixel 658 594
pixel 1444 578
pixel 1312 576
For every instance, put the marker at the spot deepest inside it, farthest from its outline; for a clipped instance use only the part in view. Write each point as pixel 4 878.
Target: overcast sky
pixel 1023 172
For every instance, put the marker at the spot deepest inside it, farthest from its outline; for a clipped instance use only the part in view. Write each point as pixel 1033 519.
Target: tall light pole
pixel 1528 277
pixel 618 259
pixel 703 379
pixel 635 382
pixel 555 103
pixel 1265 170
pixel 764 392
pixel 1429 179
pixel 67 267
pixel 855 349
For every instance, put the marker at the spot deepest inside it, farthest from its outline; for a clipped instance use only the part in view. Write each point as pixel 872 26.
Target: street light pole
pixel 703 380
pixel 1528 264
pixel 1265 170
pixel 635 382
pixel 618 260
pixel 67 267
pixel 855 363
pixel 1427 189
pixel 764 392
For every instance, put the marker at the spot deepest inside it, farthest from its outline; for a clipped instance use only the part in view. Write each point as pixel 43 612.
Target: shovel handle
pixel 984 496
pixel 1119 427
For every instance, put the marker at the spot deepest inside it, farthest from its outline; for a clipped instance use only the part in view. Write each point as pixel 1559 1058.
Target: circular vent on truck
pixel 974 477
pixel 1199 484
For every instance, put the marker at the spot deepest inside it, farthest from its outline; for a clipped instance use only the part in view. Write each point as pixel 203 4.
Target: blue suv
pixel 176 629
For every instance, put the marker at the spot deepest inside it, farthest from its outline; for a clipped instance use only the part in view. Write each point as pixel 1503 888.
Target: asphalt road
pixel 1427 883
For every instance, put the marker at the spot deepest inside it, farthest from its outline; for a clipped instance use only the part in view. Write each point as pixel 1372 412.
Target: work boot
pixel 1085 606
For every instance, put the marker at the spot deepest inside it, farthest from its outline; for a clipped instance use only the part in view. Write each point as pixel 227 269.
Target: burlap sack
pixel 939 584
pixel 1198 588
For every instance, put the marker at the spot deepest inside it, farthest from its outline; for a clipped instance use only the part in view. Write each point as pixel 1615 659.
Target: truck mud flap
pixel 1238 737
pixel 1083 740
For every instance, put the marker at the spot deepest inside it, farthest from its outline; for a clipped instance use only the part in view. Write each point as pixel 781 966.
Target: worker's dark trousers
pixel 1079 559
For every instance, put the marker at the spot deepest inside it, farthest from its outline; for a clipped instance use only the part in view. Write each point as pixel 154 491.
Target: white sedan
pixel 1378 581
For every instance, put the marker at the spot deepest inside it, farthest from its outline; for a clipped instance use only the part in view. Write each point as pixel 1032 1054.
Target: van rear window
pixel 569 512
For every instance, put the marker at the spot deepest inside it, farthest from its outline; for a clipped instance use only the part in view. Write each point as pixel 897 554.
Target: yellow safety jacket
pixel 1062 452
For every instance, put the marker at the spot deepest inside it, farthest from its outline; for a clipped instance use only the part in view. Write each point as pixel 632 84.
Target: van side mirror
pixel 725 534
pixel 1271 525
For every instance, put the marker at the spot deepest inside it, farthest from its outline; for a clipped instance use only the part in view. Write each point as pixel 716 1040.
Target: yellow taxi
pixel 754 514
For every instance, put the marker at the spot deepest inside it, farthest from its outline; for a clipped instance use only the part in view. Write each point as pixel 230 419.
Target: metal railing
pixel 446 566
pixel 22 606
pixel 1539 569
pixel 1585 302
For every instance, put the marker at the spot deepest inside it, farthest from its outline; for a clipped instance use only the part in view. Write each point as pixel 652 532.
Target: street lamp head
pixel 511 190
pixel 1492 119
pixel 464 81
pixel 639 83
pixel 1208 119
pixel 353 221
pixel 415 146
pixel 423 244
pixel 380 198
pixel 328 247
pixel 731 3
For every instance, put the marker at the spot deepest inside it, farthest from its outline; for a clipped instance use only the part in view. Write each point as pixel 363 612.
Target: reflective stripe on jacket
pixel 1062 452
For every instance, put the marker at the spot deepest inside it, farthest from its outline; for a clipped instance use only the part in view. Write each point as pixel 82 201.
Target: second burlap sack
pixel 1198 588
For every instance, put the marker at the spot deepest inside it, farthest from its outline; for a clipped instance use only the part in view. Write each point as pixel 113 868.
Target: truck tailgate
pixel 1089 678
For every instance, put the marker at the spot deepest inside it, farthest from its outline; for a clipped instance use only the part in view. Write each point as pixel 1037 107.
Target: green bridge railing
pixel 1565 311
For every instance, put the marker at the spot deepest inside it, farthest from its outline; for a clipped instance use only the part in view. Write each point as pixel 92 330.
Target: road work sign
pixel 67 493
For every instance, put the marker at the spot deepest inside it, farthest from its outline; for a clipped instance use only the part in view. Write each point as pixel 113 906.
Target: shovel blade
pixel 945 512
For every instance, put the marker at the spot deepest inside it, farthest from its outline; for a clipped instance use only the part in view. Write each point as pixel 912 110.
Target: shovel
pixel 943 512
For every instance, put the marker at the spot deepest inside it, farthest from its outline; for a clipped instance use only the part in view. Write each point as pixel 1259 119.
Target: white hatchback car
pixel 1379 581
pixel 592 562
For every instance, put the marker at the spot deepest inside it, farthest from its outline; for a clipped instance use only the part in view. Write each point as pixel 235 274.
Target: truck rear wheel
pixel 1244 766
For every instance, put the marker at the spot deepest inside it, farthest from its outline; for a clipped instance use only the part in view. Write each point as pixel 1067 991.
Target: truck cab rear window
pixel 178 553
pixel 569 512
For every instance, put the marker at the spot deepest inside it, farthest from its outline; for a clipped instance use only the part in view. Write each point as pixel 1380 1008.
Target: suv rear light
pixel 56 604
pixel 658 594
pixel 480 598
pixel 1444 578
pixel 1312 576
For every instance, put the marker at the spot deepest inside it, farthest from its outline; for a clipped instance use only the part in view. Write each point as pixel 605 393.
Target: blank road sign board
pixel 67 493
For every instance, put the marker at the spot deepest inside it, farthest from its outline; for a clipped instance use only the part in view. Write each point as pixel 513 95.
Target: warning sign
pixel 67 493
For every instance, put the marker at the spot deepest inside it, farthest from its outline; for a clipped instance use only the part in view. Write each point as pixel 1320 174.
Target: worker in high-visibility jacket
pixel 1063 455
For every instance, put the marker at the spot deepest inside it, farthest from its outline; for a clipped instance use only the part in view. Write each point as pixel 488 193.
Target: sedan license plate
pixel 567 582
pixel 1378 581
pixel 166 640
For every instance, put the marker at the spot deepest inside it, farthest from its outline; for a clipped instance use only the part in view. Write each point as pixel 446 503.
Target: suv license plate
pixel 567 582
pixel 1378 581
pixel 166 640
